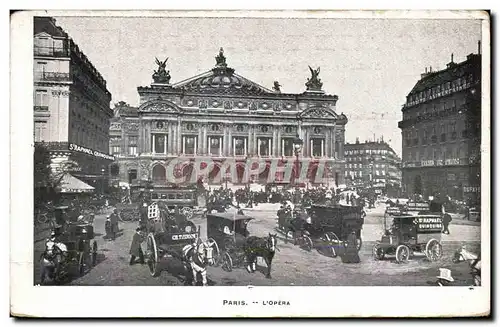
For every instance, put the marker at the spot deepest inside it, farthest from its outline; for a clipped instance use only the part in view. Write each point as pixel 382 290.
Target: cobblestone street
pixel 291 266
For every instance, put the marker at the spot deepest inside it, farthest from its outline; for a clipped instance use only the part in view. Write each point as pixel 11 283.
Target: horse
pixel 196 258
pixel 474 261
pixel 50 261
pixel 263 247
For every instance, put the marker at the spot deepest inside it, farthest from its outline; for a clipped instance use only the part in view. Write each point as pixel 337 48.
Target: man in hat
pixel 444 278
pixel 135 247
pixel 113 218
pixel 350 254
pixel 446 222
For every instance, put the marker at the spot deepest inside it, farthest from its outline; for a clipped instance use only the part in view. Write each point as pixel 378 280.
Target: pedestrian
pixel 446 222
pixel 135 247
pixel 113 218
pixel 350 254
pixel 444 278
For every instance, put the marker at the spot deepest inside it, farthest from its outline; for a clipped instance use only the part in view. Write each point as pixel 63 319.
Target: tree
pixel 44 181
pixel 42 172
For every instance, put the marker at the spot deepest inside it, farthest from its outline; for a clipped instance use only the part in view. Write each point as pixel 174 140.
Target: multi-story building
pixel 441 131
pixel 372 165
pixel 71 103
pixel 222 115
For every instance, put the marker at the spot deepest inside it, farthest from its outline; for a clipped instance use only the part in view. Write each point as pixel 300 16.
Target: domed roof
pixel 222 79
pixel 227 82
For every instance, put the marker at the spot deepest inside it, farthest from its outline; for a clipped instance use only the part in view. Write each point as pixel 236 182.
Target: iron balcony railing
pixel 53 76
pixel 51 51
pixel 41 108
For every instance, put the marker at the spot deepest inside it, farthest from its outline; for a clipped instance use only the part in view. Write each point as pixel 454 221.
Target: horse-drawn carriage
pixel 408 234
pixel 233 244
pixel 180 240
pixel 326 228
pixel 186 199
pixel 71 246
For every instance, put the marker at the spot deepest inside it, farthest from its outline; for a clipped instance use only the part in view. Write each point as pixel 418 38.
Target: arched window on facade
pixel 159 174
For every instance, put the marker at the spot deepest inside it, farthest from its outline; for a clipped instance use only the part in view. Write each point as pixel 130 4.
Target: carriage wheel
pixel 333 243
pixel 378 252
pixel 402 254
pixel 433 250
pixel 216 252
pixel 187 212
pixel 227 262
pixel 152 255
pixel 94 253
pixel 42 218
pixel 308 243
pixel 359 243
pixel 81 264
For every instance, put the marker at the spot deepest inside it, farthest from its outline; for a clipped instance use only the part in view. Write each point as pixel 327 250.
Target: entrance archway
pixel 159 174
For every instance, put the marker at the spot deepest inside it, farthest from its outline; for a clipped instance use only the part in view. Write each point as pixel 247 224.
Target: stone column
pixel 274 150
pixel 334 142
pixel 307 151
pixel 250 141
pixel 204 149
pixel 199 147
pixel 147 136
pixel 178 138
pixel 341 144
pixel 279 151
pixel 229 146
pixel 170 138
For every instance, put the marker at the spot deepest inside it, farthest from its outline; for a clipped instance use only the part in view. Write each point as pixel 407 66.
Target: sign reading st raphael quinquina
pixel 95 153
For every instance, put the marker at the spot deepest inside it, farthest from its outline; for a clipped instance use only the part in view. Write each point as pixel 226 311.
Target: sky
pixel 371 65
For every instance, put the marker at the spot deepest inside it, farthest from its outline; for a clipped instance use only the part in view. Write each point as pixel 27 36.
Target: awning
pixel 71 184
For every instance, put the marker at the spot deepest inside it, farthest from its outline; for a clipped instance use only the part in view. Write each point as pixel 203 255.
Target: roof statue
pixel 221 59
pixel 161 75
pixel 314 83
pixel 277 87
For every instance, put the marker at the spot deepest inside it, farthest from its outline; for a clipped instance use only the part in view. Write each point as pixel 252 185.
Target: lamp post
pixel 297 146
pixel 103 171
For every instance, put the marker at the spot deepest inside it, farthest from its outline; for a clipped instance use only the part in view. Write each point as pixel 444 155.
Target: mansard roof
pixel 451 73
pixel 123 109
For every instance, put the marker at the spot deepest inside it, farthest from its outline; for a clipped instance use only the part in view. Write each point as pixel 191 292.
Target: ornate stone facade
pixel 221 114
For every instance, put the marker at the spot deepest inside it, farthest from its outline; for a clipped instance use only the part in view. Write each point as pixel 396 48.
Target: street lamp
pixel 297 146
pixel 103 171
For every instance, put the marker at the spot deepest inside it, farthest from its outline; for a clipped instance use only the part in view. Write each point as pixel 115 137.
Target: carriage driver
pixel 54 242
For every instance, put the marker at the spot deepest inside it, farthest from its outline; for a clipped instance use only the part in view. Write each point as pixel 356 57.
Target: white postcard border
pixel 137 301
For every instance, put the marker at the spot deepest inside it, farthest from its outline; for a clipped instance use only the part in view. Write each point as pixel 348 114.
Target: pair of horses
pixel 198 256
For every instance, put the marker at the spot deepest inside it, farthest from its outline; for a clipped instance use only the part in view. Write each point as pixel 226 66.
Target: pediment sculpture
pixel 159 107
pixel 319 113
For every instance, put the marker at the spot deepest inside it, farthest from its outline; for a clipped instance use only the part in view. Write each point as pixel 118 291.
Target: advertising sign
pixel 417 206
pixel 95 153
pixel 429 224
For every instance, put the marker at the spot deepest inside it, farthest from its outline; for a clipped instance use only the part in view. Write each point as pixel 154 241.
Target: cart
pixel 408 234
pixel 166 238
pixel 331 225
pixel 228 233
pixel 81 252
